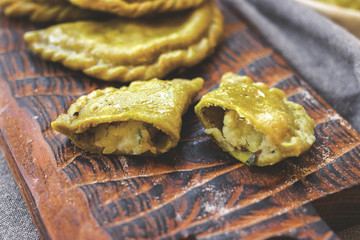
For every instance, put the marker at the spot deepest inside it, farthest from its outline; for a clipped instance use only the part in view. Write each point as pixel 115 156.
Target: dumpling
pixel 143 118
pixel 133 9
pixel 255 124
pixel 126 50
pixel 44 11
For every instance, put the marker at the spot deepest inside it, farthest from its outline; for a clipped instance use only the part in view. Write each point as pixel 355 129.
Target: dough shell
pixel 126 50
pixel 45 11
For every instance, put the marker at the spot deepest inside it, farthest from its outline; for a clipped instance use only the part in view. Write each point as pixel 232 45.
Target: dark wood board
pixel 196 191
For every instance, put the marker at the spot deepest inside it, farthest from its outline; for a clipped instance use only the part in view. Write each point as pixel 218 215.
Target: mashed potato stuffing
pixel 131 137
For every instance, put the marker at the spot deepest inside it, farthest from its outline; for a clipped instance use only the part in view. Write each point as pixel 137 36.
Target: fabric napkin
pixel 324 54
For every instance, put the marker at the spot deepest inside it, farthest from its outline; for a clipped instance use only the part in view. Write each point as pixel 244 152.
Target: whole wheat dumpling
pixel 255 124
pixel 44 11
pixel 143 118
pixel 126 50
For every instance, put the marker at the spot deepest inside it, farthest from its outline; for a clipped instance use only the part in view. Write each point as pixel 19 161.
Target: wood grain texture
pixel 196 191
pixel 340 210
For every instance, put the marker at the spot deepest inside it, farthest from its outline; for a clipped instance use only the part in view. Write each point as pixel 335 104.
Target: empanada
pixel 44 11
pixel 142 118
pixel 127 49
pixel 255 124
pixel 133 9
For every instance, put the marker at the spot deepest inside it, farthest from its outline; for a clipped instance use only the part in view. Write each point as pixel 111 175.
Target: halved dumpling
pixel 126 50
pixel 45 11
pixel 144 118
pixel 255 124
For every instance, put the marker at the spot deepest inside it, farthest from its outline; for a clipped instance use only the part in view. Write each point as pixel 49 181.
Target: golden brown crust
pixel 112 50
pixel 44 11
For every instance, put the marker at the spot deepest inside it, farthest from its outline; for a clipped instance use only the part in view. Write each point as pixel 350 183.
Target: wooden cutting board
pixel 196 191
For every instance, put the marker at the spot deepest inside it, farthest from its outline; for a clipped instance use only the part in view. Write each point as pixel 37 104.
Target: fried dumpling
pixel 132 49
pixel 44 11
pixel 143 118
pixel 133 9
pixel 255 124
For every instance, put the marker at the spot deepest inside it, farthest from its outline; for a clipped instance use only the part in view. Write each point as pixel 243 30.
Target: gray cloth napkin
pixel 325 55
pixel 15 219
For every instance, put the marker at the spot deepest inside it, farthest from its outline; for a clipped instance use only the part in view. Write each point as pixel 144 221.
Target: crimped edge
pixel 45 12
pixel 137 9
pixel 165 63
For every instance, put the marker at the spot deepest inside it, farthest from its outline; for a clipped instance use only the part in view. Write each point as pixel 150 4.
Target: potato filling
pixel 239 134
pixel 132 137
pixel 240 138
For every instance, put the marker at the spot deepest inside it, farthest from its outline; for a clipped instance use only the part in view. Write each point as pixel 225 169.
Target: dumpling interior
pixel 130 137
pixel 236 134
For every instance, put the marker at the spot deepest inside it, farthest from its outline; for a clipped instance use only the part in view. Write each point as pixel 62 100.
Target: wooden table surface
pixel 196 191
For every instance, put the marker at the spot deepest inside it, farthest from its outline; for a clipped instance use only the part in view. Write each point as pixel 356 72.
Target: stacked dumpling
pixel 45 11
pixel 123 49
pixel 139 40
